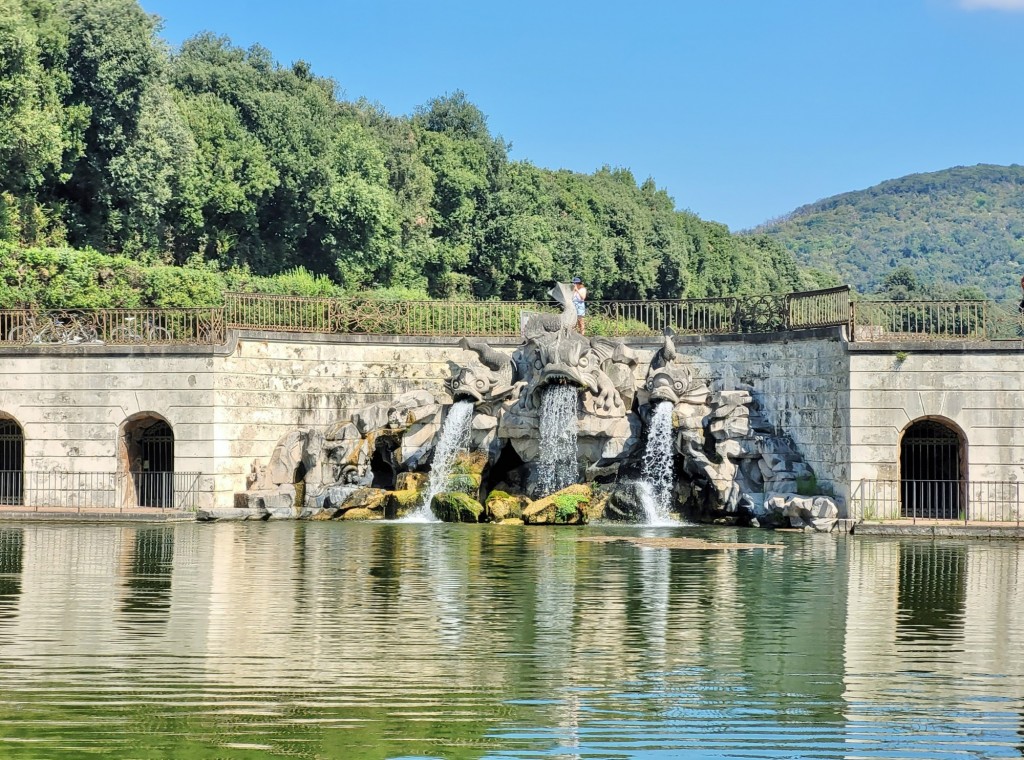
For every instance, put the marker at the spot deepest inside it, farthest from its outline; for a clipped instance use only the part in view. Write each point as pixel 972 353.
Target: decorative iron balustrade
pixel 922 320
pixel 984 501
pixel 110 491
pixel 69 327
pixel 819 308
pixel 708 316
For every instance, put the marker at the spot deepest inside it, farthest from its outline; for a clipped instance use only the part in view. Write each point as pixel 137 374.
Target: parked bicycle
pixel 64 327
pixel 133 330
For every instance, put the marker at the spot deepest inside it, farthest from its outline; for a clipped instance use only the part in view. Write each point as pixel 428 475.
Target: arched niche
pixel 933 470
pixel 12 461
pixel 146 457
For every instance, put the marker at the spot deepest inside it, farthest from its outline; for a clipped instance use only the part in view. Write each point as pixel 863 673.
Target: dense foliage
pixel 119 157
pixel 949 229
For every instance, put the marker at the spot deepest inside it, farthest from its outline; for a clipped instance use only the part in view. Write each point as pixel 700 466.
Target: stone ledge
pixel 1007 530
pixel 93 516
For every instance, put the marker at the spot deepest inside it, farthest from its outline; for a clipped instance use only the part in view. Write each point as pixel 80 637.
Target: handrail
pixel 368 316
pixel 110 491
pixel 966 501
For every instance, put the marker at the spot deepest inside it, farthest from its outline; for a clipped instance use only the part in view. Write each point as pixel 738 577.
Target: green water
pixel 339 640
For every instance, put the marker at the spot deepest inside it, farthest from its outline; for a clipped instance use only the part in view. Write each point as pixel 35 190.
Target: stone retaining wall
pixel 845 406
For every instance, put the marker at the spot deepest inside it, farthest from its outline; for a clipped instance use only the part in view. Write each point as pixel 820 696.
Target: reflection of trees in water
pixel 11 551
pixel 147 580
pixel 932 590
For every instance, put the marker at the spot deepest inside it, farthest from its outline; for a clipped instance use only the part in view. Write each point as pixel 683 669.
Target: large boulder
pixel 798 511
pixel 565 507
pixel 398 504
pixel 456 507
pixel 501 506
pixel 366 501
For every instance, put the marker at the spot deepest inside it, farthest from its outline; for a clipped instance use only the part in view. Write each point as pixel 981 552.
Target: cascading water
pixel 657 475
pixel 453 439
pixel 558 467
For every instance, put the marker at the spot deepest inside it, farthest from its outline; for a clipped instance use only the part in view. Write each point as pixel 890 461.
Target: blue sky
pixel 741 109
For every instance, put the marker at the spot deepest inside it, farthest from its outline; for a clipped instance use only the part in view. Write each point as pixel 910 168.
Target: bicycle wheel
pixel 124 334
pixel 159 334
pixel 87 334
pixel 21 334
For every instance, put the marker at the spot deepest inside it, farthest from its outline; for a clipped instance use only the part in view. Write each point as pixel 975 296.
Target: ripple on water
pixel 373 641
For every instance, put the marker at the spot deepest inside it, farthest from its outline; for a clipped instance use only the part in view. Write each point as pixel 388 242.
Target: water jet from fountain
pixel 454 438
pixel 657 476
pixel 558 467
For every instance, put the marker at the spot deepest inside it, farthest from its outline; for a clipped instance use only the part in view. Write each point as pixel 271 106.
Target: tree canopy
pixel 222 158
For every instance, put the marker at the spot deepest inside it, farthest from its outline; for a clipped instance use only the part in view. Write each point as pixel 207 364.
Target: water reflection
pixel 146 578
pixel 375 641
pixel 932 590
pixel 11 551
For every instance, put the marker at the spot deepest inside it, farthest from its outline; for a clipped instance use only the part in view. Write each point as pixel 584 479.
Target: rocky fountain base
pixel 553 434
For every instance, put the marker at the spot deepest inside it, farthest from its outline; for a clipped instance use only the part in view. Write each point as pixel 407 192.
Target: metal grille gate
pixel 155 482
pixel 12 462
pixel 930 472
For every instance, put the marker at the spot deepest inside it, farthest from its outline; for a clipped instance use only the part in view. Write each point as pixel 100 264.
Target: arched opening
pixel 12 462
pixel 148 457
pixel 932 464
pixel 382 464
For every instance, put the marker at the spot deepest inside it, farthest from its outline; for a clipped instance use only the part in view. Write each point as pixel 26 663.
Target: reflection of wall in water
pixel 83 583
pixel 977 589
pixel 146 578
pixel 932 590
pixel 11 561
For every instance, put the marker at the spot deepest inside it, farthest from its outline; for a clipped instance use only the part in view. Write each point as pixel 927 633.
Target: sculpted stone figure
pixel 488 380
pixel 727 459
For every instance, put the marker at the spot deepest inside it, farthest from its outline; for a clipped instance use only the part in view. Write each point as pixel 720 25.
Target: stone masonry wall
pixel 72 403
pixel 977 389
pixel 802 382
pixel 228 406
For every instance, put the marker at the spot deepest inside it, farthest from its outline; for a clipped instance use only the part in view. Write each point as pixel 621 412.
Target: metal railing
pixel 984 501
pixel 706 316
pixel 111 491
pixel 869 320
pixel 67 327
pixel 935 320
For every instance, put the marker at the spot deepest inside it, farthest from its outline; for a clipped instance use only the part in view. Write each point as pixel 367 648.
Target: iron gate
pixel 155 482
pixel 12 462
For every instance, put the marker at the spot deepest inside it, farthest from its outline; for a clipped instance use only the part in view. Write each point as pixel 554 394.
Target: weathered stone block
pixel 566 507
pixel 503 506
pixel 456 507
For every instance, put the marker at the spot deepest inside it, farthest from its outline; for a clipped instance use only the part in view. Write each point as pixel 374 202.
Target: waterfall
pixel 453 439
pixel 657 476
pixel 558 466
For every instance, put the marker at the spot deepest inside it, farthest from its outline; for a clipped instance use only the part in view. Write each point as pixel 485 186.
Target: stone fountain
pixel 730 464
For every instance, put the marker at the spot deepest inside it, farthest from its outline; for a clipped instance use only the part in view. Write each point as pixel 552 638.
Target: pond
pixel 373 640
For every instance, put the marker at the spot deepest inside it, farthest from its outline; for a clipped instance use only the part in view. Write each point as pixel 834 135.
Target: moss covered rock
pixel 467 472
pixel 504 506
pixel 364 501
pixel 410 481
pixel 362 513
pixel 565 507
pixel 456 507
pixel 401 503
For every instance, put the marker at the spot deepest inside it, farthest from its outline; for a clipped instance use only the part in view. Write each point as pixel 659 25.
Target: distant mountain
pixel 952 228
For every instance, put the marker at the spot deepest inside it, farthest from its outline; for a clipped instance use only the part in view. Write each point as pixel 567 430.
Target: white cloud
pixel 995 5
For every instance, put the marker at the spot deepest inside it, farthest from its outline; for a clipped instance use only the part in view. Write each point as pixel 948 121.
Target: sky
pixel 742 110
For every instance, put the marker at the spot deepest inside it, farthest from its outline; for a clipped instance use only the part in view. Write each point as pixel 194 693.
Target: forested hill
pixel 958 227
pixel 214 159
